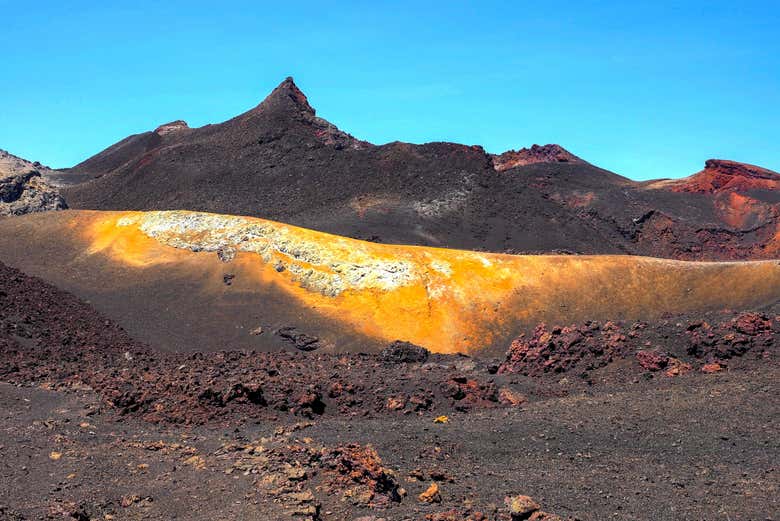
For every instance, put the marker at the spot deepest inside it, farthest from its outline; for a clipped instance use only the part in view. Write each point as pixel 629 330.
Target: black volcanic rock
pixel 281 161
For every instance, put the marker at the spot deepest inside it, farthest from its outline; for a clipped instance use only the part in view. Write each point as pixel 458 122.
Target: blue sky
pixel 646 89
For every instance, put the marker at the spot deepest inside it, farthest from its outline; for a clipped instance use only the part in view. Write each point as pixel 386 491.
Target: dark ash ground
pixel 97 426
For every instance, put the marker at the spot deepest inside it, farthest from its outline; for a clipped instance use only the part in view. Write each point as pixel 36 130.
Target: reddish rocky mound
pixel 536 154
pixel 559 349
pixel 675 348
pixel 756 333
pixel 720 175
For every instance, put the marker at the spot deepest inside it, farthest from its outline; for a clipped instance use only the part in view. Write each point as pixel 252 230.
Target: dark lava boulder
pixel 403 352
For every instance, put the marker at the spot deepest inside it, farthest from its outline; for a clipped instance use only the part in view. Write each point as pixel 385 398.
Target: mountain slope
pixel 282 162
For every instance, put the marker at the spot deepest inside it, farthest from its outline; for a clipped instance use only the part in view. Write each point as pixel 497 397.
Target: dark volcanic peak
pixel 721 175
pixel 536 154
pixel 282 162
pixel 286 97
pixel 173 126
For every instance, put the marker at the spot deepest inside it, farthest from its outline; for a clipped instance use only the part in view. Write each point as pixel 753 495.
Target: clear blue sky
pixel 646 89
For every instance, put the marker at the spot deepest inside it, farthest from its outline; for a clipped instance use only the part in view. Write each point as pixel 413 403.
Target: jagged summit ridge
pixel 173 126
pixel 286 97
pixel 550 153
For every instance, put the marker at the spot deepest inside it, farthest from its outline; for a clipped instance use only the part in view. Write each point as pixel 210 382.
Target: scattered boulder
pixel 27 192
pixel 678 368
pixel 559 349
pixel 400 352
pixel 710 368
pixel 396 403
pixel 507 396
pixel 747 332
pixel 652 360
pixel 359 469
pixel 310 402
pixel 300 340
pixel 466 392
pixel 521 507
pixel 431 494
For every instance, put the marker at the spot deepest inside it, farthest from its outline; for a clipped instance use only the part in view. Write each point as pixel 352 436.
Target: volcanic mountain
pixel 280 161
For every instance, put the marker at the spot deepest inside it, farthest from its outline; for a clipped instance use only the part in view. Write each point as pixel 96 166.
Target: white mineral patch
pixel 315 266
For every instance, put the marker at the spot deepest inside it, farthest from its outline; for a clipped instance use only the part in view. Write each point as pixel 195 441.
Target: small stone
pixel 396 403
pixel 441 419
pixel 127 501
pixel 257 331
pixel 507 396
pixel 295 473
pixel 713 367
pixel 678 367
pixel 544 516
pixel 521 507
pixel 226 253
pixel 55 456
pixel 403 352
pixel 431 495
pixel 196 461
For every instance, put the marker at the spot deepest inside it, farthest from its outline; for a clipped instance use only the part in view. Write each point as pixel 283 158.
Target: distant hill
pixel 281 161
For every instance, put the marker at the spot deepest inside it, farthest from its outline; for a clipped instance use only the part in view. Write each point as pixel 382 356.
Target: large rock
pixel 400 352
pixel 23 189
pixel 27 193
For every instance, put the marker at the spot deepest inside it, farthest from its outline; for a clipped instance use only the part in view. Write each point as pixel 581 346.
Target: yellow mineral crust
pixel 446 300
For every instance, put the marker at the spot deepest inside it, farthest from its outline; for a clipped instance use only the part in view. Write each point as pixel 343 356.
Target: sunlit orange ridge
pixel 446 300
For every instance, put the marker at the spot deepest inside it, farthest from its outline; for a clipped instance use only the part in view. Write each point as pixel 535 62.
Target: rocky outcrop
pixel 720 175
pixel 173 126
pixel 23 189
pixel 288 100
pixel 560 349
pixel 747 332
pixel 536 154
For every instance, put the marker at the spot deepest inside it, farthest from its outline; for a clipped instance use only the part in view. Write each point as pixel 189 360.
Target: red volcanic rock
pixel 173 126
pixel 652 360
pixel 560 349
pixel 720 175
pixel 360 469
pixel 710 368
pixel 468 392
pixel 733 338
pixel 535 154
pixel 507 396
pixel 678 368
